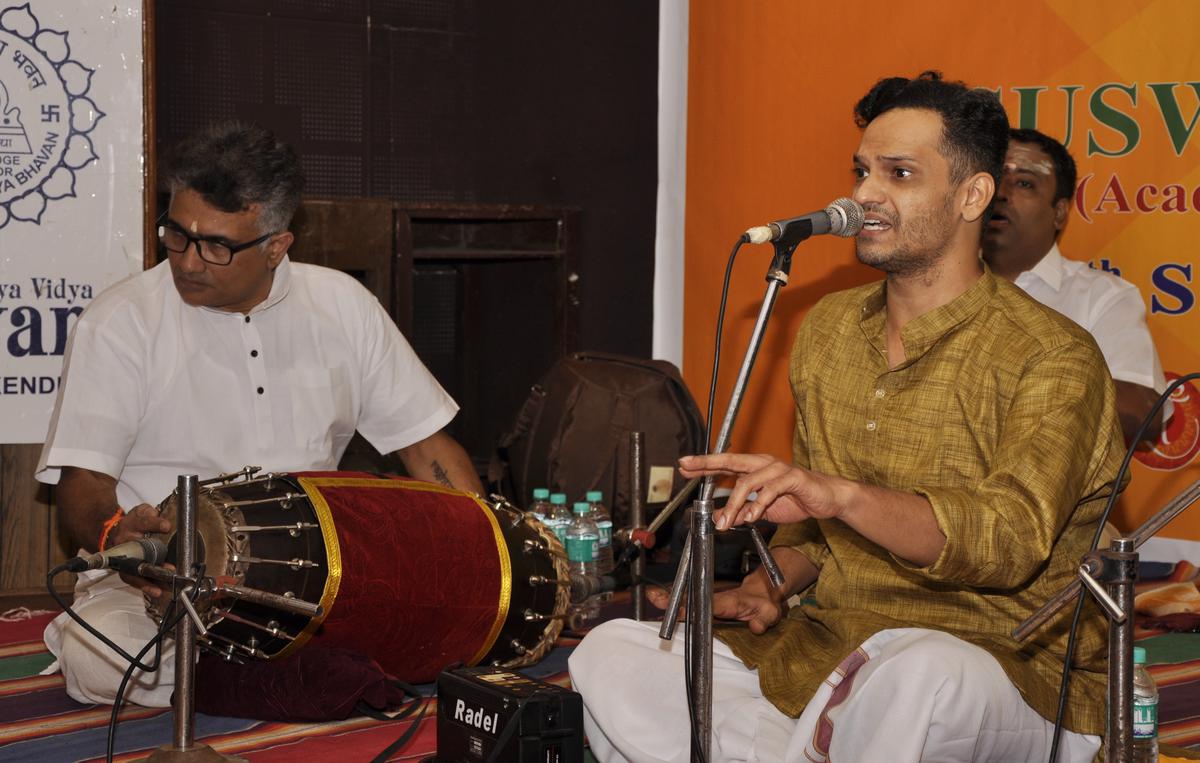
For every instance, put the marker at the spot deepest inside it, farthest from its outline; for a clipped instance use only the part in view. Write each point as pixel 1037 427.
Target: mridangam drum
pixel 414 575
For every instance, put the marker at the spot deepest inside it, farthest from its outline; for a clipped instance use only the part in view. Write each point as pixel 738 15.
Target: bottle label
pixel 605 533
pixel 560 532
pixel 1145 717
pixel 582 549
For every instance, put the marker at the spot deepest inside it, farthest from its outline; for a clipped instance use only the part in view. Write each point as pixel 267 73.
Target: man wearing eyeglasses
pixel 228 354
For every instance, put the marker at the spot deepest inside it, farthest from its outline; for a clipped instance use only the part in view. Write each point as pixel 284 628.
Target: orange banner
pixel 772 86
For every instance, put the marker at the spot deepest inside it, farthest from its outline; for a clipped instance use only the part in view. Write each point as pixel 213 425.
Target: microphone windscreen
pixel 154 551
pixel 845 217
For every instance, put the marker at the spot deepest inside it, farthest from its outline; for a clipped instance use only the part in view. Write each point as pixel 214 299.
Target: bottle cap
pixel 540 494
pixel 595 496
pixel 582 507
pixel 558 498
pixel 1139 655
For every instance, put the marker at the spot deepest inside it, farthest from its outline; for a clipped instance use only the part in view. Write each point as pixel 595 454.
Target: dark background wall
pixel 519 102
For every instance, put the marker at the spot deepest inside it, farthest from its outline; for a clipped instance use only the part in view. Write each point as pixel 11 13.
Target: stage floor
pixel 39 723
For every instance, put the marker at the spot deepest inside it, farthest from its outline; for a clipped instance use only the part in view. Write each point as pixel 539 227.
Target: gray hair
pixel 234 165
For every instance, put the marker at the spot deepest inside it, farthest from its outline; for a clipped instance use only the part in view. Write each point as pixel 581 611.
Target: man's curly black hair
pixel 974 123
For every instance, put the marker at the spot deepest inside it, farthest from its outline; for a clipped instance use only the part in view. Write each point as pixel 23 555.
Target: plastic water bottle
pixel 559 517
pixel 540 507
pixel 599 514
pixel 1145 711
pixel 583 540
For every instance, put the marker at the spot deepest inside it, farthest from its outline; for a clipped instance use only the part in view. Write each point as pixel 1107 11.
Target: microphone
pixel 151 550
pixel 584 587
pixel 843 217
pixel 133 566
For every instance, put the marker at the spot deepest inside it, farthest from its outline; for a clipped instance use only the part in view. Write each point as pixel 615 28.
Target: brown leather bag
pixel 572 433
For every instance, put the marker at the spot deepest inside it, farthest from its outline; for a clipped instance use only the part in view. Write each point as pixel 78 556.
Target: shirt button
pixel 879 392
pixel 254 353
pixel 870 426
pixel 247 319
pixel 260 391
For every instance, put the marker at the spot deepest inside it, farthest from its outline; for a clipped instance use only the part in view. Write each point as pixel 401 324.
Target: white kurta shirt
pixel 1109 307
pixel 153 387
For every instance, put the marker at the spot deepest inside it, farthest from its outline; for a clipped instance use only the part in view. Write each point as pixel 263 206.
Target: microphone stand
pixel 1116 567
pixel 183 703
pixel 696 562
pixel 637 521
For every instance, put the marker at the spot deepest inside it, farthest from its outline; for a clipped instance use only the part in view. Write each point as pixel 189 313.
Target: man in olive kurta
pixel 955 443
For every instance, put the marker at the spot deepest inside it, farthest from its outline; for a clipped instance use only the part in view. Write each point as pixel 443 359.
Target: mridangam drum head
pixel 262 534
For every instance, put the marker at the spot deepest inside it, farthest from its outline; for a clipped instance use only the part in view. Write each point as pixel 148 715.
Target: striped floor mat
pixel 39 723
pixel 1173 652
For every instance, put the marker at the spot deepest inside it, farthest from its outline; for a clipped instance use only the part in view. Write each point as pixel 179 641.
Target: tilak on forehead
pixel 1029 158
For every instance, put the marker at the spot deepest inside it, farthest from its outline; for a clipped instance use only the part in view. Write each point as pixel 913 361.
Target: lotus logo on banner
pixel 45 116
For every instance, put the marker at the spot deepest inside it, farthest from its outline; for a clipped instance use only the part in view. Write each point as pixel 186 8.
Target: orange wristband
pixel 109 525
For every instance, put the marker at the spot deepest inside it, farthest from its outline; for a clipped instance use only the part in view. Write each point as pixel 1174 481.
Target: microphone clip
pixel 781 263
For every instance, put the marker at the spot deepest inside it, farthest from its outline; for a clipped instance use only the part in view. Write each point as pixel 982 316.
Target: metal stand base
pixel 197 753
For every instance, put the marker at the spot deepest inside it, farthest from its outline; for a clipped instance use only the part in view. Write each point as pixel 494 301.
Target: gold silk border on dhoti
pixel 333 554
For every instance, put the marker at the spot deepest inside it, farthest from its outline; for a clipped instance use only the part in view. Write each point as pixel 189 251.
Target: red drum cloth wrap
pixel 425 576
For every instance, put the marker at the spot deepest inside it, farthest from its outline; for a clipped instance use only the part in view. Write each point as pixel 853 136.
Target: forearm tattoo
pixel 439 472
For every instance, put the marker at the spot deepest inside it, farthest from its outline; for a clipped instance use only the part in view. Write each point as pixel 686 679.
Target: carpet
pixel 39 723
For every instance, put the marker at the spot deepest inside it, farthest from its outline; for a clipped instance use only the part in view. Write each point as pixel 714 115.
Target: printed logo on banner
pixel 1180 441
pixel 45 116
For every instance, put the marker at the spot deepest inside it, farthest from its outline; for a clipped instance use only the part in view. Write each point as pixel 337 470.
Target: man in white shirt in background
pixel 1020 244
pixel 227 354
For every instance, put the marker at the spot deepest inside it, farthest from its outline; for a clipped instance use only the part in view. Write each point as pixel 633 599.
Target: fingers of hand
pixel 738 510
pixel 723 517
pixel 723 463
pixel 766 615
pixel 727 605
pixel 146 519
pixel 696 466
pixel 764 499
pixel 758 612
pixel 660 597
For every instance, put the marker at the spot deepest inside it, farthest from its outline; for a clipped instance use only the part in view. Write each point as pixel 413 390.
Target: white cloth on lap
pixel 916 694
pixel 92 671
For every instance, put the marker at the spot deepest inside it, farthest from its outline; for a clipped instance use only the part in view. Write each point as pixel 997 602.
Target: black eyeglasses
pixel 211 250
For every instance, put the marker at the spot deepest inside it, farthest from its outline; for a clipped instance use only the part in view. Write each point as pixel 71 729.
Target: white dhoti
pixel 93 670
pixel 911 694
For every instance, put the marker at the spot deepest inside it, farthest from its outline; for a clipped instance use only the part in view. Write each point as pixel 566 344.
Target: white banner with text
pixel 71 179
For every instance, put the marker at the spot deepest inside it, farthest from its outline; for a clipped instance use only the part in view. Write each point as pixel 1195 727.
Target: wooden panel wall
pixel 29 540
